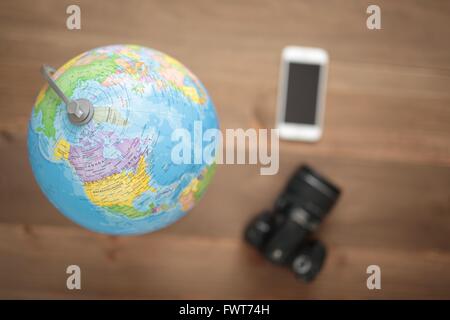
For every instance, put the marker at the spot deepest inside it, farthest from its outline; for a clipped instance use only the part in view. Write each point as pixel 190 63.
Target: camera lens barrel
pixel 311 191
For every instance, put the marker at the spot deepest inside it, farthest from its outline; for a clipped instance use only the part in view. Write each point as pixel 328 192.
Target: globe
pixel 116 174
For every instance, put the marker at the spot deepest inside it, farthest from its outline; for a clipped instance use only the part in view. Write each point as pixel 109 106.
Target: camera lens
pixel 311 191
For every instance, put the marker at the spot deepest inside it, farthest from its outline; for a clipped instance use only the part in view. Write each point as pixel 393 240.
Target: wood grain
pixel 386 143
pixel 173 266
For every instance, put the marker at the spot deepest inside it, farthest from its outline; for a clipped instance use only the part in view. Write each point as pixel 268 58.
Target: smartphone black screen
pixel 302 93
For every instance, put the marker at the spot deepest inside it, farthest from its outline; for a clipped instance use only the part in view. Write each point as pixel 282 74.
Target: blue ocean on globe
pixel 115 174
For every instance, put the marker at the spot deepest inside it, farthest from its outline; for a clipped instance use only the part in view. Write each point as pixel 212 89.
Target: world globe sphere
pixel 116 174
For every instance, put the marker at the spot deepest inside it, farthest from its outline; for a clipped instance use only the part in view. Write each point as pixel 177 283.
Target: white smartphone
pixel 301 93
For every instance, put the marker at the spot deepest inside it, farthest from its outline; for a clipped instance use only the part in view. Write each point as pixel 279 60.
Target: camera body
pixel 282 234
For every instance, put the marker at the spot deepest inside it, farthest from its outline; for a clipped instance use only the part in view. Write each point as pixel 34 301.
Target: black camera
pixel 283 234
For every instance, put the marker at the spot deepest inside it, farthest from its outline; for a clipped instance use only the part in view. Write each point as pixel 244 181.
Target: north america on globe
pixel 115 174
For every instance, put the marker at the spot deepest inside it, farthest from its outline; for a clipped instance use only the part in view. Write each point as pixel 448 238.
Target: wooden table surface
pixel 386 142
